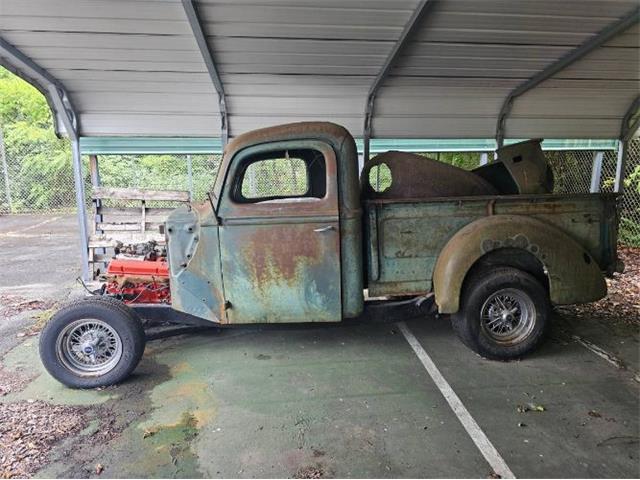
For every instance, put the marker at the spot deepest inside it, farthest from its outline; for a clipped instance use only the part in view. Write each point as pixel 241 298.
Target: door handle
pixel 328 228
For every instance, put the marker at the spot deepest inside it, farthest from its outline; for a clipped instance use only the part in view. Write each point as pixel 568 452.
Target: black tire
pixel 520 289
pixel 112 316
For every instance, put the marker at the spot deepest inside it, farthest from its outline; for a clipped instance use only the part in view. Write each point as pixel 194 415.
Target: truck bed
pixel 405 236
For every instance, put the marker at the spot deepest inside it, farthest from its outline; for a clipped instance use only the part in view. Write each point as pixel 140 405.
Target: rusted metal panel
pixel 415 176
pixel 281 259
pixel 282 272
pixel 573 274
pixel 194 263
pixel 345 178
pixel 520 168
pixel 411 234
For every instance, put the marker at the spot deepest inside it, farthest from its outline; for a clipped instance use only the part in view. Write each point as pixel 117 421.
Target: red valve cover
pixel 138 281
pixel 138 268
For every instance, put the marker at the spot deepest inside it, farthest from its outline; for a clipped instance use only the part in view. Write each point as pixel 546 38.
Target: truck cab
pixel 272 249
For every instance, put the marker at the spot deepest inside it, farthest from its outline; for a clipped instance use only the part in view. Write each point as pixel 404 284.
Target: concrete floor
pixel 336 401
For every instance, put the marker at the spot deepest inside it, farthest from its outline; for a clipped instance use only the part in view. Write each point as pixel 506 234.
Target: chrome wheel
pixel 508 316
pixel 89 347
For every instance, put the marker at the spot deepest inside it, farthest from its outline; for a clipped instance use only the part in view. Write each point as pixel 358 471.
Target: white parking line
pixel 20 232
pixel 485 446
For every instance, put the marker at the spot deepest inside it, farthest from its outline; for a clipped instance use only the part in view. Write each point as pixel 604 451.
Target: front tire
pixel 504 313
pixel 93 342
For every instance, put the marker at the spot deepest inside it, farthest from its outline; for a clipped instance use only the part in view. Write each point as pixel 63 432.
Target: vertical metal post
pixel 5 170
pixel 484 158
pixel 596 172
pixel 94 170
pixel 94 173
pixel 618 186
pixel 81 207
pixel 190 177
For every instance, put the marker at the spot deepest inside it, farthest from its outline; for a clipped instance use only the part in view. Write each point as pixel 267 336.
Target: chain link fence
pixel 191 173
pixel 37 178
pixel 36 181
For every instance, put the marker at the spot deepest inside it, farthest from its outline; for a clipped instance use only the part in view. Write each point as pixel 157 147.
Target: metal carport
pixel 407 69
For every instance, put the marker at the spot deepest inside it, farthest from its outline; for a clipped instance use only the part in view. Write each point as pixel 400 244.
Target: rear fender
pixel 574 276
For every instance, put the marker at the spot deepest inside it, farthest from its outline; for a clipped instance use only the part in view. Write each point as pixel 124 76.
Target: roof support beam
pixel 195 22
pixel 62 108
pixel 589 45
pixel 51 88
pixel 408 29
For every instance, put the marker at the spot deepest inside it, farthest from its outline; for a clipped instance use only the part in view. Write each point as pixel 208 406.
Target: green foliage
pixel 466 160
pixel 39 161
pixel 40 169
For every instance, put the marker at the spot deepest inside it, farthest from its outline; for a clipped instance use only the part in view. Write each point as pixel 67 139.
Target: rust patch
pixel 415 176
pixel 275 254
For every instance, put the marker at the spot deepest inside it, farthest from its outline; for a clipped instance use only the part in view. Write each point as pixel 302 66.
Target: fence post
pixel 5 170
pixel 620 164
pixel 190 177
pixel 596 172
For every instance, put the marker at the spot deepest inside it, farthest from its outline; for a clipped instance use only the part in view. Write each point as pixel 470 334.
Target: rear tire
pixel 92 342
pixel 504 313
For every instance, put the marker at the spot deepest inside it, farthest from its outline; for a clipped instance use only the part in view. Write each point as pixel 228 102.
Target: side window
pixel 282 174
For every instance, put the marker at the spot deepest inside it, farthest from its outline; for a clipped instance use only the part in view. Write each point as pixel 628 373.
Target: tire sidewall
pixel 127 327
pixel 477 295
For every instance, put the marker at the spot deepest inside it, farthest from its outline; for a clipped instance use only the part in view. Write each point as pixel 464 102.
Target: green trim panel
pixel 479 145
pixel 149 145
pixel 209 145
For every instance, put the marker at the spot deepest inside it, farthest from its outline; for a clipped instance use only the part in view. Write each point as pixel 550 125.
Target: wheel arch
pixel 571 274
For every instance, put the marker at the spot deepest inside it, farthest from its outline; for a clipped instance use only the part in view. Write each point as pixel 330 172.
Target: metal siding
pixel 133 67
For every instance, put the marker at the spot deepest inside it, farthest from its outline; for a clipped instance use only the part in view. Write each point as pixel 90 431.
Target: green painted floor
pixel 344 401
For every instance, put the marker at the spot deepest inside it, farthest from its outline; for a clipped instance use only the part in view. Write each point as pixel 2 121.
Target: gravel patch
pixel 622 302
pixel 29 430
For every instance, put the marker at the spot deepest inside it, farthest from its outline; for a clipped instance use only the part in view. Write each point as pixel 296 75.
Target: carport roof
pixel 134 67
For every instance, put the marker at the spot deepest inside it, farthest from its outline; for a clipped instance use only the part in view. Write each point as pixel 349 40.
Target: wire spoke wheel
pixel 508 316
pixel 89 347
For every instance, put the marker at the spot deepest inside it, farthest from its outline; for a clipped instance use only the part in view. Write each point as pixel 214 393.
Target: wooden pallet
pixel 127 225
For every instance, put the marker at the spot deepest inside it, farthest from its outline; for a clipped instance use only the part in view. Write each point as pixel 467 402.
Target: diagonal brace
pixel 195 22
pixel 577 53
pixel 407 31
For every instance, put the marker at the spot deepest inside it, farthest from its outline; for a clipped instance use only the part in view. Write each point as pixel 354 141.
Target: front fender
pixel 574 276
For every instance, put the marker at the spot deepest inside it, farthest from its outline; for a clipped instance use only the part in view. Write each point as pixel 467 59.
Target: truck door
pixel 280 234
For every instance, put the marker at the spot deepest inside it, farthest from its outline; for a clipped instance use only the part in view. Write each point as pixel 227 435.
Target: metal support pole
pixel 484 158
pixel 81 207
pixel 618 186
pixel 596 172
pixel 94 173
pixel 5 170
pixel 62 108
pixel 190 177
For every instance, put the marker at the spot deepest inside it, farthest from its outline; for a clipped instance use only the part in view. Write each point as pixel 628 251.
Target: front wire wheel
pixel 89 347
pixel 92 342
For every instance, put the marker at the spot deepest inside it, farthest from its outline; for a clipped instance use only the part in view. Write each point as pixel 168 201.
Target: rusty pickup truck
pixel 291 232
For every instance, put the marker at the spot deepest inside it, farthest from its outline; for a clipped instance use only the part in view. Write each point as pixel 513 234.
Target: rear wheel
pixel 93 342
pixel 504 313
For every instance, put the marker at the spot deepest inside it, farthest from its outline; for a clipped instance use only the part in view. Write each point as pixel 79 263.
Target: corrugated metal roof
pixel 132 67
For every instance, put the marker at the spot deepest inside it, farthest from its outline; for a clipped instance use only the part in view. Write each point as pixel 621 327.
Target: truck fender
pixel 573 275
